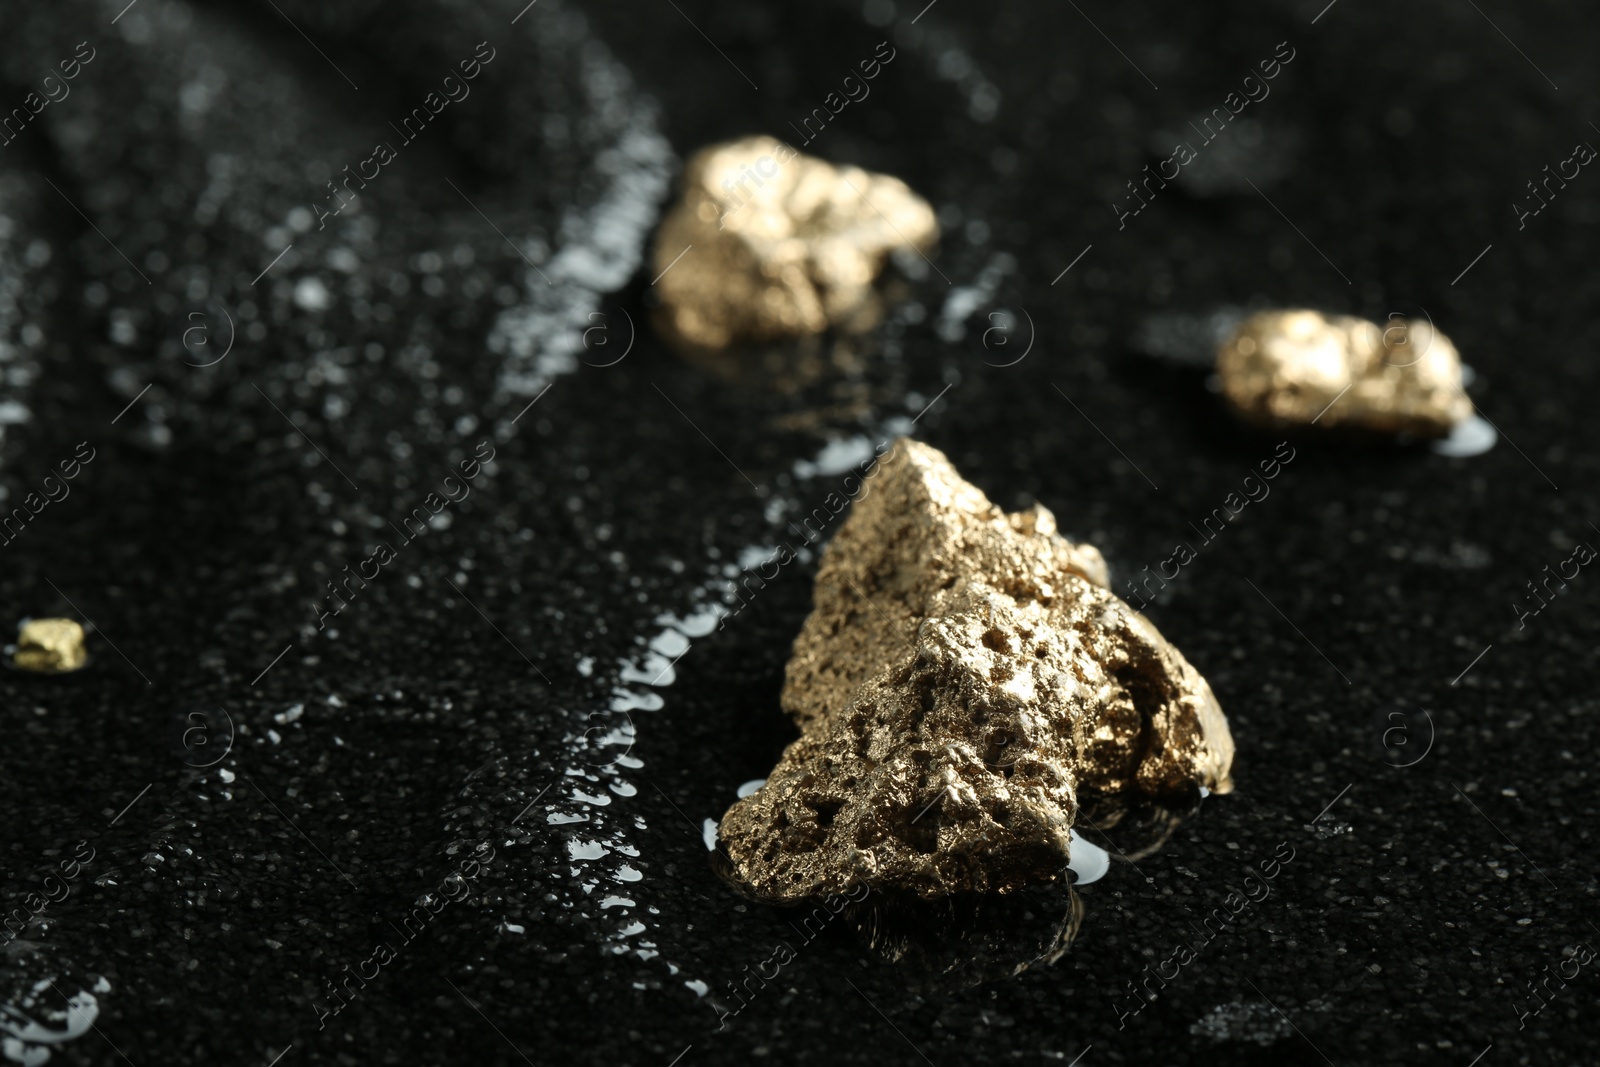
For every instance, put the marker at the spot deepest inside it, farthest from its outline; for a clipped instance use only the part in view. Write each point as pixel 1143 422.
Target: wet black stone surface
pixel 462 697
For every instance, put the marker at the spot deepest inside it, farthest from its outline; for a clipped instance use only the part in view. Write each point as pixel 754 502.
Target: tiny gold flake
pixel 1302 368
pixel 50 646
pixel 767 244
pixel 964 674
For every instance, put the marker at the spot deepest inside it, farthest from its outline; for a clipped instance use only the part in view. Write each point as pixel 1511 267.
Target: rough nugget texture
pixel 1299 367
pixel 779 244
pixel 965 672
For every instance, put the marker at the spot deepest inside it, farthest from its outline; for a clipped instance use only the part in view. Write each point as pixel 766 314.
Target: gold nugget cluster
pixel 767 243
pixel 964 674
pixel 1302 367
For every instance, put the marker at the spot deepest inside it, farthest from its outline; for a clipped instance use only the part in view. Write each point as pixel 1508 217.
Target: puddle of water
pixel 30 1027
pixel 1089 862
pixel 1473 437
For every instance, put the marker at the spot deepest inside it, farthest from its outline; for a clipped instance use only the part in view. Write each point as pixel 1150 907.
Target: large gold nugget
pixel 1302 367
pixel 963 674
pixel 50 646
pixel 768 243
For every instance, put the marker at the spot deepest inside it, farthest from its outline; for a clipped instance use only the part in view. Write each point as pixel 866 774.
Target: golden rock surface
pixel 1303 367
pixel 964 673
pixel 50 646
pixel 779 244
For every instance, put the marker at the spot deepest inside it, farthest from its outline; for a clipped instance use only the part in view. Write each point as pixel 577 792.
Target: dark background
pixel 198 541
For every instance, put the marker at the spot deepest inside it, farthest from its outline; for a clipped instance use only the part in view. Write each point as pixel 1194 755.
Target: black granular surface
pixel 407 701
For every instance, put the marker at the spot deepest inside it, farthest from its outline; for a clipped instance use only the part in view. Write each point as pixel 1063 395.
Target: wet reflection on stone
pixel 1132 826
pixel 791 365
pixel 966 940
pixel 956 942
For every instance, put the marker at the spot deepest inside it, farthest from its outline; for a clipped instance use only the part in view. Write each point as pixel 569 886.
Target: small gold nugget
pixel 50 646
pixel 964 673
pixel 1303 367
pixel 768 243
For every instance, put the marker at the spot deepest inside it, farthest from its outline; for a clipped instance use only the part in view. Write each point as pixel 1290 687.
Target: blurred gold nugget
pixel 768 243
pixel 50 646
pixel 1303 367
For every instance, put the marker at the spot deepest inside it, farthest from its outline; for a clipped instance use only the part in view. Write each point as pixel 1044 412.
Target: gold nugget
pixel 964 673
pixel 768 243
pixel 1303 367
pixel 50 646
